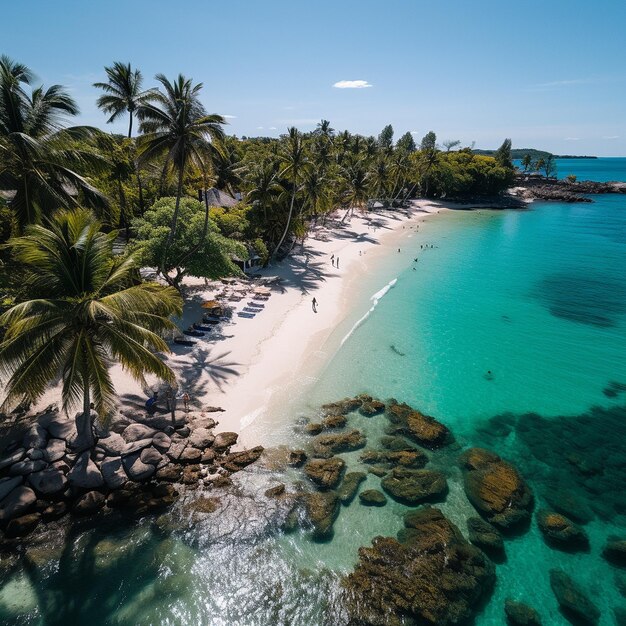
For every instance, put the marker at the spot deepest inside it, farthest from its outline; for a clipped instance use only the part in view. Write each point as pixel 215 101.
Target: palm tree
pixel 355 182
pixel 38 154
pixel 294 160
pixel 85 312
pixel 176 126
pixel 265 187
pixel 123 93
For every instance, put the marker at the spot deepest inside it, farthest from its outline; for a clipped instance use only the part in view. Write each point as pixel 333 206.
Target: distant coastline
pixel 519 153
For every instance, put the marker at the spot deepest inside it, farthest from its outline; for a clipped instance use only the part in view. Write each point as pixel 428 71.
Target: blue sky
pixel 549 74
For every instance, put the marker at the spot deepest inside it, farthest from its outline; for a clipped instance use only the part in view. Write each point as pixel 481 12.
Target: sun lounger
pixel 245 314
pixel 193 333
pixel 202 328
pixel 181 341
pixel 249 309
pixel 211 319
pixel 257 305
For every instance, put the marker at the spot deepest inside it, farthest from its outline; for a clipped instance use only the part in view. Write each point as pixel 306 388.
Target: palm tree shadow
pixel 219 369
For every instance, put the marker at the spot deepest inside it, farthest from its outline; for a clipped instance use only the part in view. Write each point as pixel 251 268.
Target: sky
pixel 549 74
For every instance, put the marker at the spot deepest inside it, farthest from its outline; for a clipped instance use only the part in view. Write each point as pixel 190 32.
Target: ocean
pixel 510 328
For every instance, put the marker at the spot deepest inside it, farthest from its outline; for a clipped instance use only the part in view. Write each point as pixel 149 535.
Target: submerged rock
pixel 325 473
pixel 334 421
pixel 18 502
pixel 484 535
pixel 371 407
pixel 572 600
pixel 297 458
pixel 495 488
pixel 414 486
pixel 342 407
pixel 560 532
pixel 372 497
pixel 615 552
pixel 520 614
pixel 313 428
pixel 21 526
pixel 435 578
pixel 89 503
pixel 423 429
pixel 238 460
pixel 350 486
pixel 322 510
pixel 326 445
pixel 405 458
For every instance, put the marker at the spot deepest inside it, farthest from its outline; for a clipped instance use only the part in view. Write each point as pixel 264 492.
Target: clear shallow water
pixel 537 297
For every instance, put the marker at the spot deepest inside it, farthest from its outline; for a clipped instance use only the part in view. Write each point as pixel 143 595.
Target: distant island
pixel 518 153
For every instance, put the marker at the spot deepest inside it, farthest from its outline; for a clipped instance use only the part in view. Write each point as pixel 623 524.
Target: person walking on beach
pixel 186 402
pixel 314 304
pixel 337 262
pixel 332 260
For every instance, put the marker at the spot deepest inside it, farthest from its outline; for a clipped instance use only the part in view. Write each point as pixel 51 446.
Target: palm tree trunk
pixel 172 233
pixel 84 439
pixel 130 124
pixel 282 239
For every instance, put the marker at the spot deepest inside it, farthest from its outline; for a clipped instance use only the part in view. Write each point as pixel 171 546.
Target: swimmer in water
pixel 489 375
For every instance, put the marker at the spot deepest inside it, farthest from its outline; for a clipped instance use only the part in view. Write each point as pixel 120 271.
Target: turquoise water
pixel 538 297
pixel 601 169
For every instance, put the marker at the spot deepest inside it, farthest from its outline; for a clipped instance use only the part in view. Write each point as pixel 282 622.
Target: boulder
pixel 136 432
pixel 7 485
pixel 136 469
pixel 322 510
pixel 151 456
pixel 225 440
pixel 372 497
pixel 113 473
pixel 18 502
pixel 484 535
pixel 12 458
pixel 423 429
pixel 412 487
pixel 238 460
pixel 378 470
pixel 404 458
pixel 170 473
pixel 89 503
pixel 48 482
pixel 55 450
pixel 371 408
pixel 21 468
pixel 54 511
pixel 435 577
pixel 396 443
pixel 136 446
pixel 573 601
pixel 61 427
pixel 334 421
pixel 208 456
pixel 161 442
pixel 615 552
pixel 326 445
pixel 325 473
pixel 183 431
pixel 297 458
pixel 201 438
pixel 313 428
pixel 35 454
pixel 113 445
pixel 35 437
pixel 22 526
pixel 275 492
pixel 350 486
pixel 495 488
pixel 190 455
pixel 176 449
pixel 560 532
pixel 342 407
pixel 520 614
pixel 85 473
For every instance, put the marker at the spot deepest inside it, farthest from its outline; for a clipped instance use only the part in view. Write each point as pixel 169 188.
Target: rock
pixel 325 473
pixel 201 438
pixel 161 442
pixel 18 502
pixel 35 437
pixel 371 408
pixel 322 510
pixel 171 473
pixel 55 450
pixel 414 486
pixel 136 432
pixel 48 482
pixel 22 468
pixel 89 503
pixel 350 486
pixel 274 492
pixel 113 473
pixel 225 440
pixel 191 475
pixel 372 497
pixel 183 431
pixel 204 505
pixel 35 454
pixel 620 582
pixel 190 455
pixel 7 485
pixel 313 428
pixel 12 458
pixel 85 473
pixel 54 511
pixel 297 458
pixel 560 532
pixel 208 456
pixel 238 460
pixel 520 614
pixel 136 446
pixel 396 443
pixel 113 445
pixel 570 504
pixel 484 535
pixel 495 488
pixel 334 421
pixel 21 526
pixel 378 470
pixel 221 482
pixel 61 427
pixel 436 577
pixel 326 445
pixel 136 469
pixel 423 429
pixel 572 600
pixel 150 456
pixel 405 458
pixel 615 552
pixel 176 449
pixel 342 407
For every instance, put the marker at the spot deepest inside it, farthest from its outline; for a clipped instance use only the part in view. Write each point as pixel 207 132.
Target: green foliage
pixel 385 139
pixel 212 256
pixel 232 222
pixel 571 178
pixel 429 142
pixel 406 143
pixel 258 245
pixel 503 154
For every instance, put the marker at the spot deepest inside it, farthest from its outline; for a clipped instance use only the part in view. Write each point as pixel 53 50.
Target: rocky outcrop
pixel 415 486
pixel 484 535
pixel 370 406
pixel 342 407
pixel 322 510
pixel 405 458
pixel 327 445
pixel 48 482
pixel 495 488
pixel 573 601
pixel 423 429
pixel 18 502
pixel 563 190
pixel 560 532
pixel 297 458
pixel 224 441
pixel 520 614
pixel 372 497
pixel 435 577
pixel 325 473
pixel 615 552
pixel 238 460
pixel 89 503
pixel 334 421
pixel 85 473
pixel 349 486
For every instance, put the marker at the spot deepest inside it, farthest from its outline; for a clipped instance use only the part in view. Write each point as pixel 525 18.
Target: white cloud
pixel 259 127
pixel 415 132
pixel 611 137
pixel 272 127
pixel 352 84
pixel 229 117
pixel 571 138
